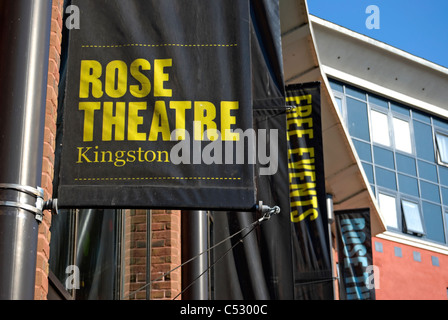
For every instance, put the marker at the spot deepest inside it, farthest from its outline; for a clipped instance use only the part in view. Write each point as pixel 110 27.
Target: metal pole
pixel 24 43
pixel 148 252
pixel 330 213
pixel 194 241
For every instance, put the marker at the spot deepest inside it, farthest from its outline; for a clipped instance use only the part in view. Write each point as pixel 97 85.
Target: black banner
pixel 158 106
pixel 310 237
pixel 290 256
pixel 261 266
pixel 355 255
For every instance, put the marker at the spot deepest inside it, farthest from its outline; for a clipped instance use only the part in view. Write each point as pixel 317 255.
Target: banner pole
pixel 25 38
pixel 330 239
pixel 194 241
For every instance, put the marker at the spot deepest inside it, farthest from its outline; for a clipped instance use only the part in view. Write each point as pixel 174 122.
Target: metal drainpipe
pixel 24 43
pixel 194 241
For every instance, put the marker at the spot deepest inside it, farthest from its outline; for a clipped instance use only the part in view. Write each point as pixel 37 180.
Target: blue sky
pixel 419 27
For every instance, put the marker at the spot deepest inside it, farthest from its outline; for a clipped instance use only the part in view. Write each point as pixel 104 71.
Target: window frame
pixel 73 236
pixel 368 137
pixel 438 132
pixel 411 133
pixel 389 128
pixel 391 116
pixel 396 112
pixel 397 217
pixel 445 221
pixel 342 111
pixel 404 217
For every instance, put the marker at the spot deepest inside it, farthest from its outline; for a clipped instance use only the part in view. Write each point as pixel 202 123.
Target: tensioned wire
pixel 253 225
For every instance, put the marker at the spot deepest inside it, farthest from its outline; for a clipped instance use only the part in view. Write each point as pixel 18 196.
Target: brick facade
pixel 166 253
pixel 135 253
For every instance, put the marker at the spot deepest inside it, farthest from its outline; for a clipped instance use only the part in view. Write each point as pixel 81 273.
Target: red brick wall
pixel 135 253
pixel 404 278
pixel 43 244
pixel 166 254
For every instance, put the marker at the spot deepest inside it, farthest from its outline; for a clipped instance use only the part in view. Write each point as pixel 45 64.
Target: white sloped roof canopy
pixel 345 179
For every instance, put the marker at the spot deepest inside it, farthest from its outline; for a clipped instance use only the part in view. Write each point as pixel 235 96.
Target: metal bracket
pixel 266 211
pixel 38 193
pixel 52 205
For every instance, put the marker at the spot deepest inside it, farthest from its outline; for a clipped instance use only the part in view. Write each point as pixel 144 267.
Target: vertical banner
pixel 157 104
pixel 308 215
pixel 268 92
pixel 355 255
pixel 261 267
pixel 267 273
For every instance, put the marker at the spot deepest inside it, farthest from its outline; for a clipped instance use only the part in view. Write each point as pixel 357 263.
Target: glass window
pixel 368 169
pixel 423 141
pixel 363 150
pixel 412 218
pixel 383 157
pixel 357 121
pixel 430 191
pixel 421 116
pixel 380 128
pixel 63 226
pixel 339 104
pixel 408 185
pixel 443 174
pixel 442 148
pixel 337 86
pixel 427 171
pixel 445 195
pixel 89 240
pixel 399 109
pixel 402 135
pixel 355 92
pixel 433 222
pixel 406 164
pixel 97 254
pixel 440 123
pixel 378 101
pixel 403 151
pixel 388 209
pixel 446 222
pixel 385 178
